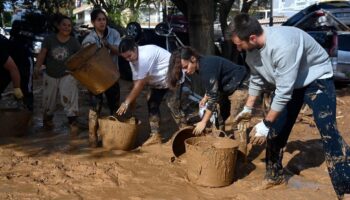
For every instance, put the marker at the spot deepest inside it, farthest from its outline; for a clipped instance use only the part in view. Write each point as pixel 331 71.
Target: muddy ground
pixel 50 165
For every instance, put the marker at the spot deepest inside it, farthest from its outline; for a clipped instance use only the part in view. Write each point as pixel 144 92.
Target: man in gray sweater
pixel 299 70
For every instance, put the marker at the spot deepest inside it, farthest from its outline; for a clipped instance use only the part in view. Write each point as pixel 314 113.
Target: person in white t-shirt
pixel 149 66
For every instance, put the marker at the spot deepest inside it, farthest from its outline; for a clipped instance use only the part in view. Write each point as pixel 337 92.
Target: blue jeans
pixel 321 98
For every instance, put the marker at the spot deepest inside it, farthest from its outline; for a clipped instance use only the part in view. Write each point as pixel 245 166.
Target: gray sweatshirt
pixel 290 59
pixel 113 38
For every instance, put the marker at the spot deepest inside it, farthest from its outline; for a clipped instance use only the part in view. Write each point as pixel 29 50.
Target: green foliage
pixel 55 6
pixel 121 11
pixel 7 18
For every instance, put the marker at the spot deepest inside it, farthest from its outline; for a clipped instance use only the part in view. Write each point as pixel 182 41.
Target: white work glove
pixel 243 118
pixel 259 133
pixel 246 113
pixel 18 93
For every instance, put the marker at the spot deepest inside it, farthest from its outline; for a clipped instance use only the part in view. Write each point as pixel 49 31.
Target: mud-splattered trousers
pixel 321 98
pixel 153 101
pixel 67 89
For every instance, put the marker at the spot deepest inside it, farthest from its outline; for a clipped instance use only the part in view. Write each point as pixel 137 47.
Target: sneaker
pixel 154 124
pixel 93 126
pixel 155 138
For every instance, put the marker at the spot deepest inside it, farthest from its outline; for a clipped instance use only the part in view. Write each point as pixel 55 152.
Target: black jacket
pixel 219 76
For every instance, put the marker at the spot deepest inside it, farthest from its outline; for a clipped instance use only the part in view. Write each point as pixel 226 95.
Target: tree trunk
pixel 201 25
pixel 227 48
pixel 246 5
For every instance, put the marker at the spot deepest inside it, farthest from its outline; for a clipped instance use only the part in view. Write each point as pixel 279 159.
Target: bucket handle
pixel 218 133
pixel 111 117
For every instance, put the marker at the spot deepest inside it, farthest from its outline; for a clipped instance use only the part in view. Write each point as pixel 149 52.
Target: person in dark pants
pixel 9 71
pixel 301 72
pixel 219 76
pixel 20 50
pixel 149 65
pixel 103 35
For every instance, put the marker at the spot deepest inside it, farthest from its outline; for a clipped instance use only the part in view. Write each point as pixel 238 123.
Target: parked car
pixel 178 21
pixel 339 9
pixel 334 37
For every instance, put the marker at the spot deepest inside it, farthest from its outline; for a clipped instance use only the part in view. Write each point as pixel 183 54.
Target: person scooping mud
pixel 301 72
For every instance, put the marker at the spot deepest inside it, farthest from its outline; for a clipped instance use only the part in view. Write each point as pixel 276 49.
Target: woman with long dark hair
pixel 219 77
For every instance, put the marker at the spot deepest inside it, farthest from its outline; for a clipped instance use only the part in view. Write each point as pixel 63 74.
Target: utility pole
pixel 271 13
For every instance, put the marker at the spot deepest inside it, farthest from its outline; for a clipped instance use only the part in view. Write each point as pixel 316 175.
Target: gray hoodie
pixel 290 59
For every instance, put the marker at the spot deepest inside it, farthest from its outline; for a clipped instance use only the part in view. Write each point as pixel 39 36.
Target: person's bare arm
pixel 11 66
pixel 41 58
pixel 136 90
pixel 134 93
pixel 251 101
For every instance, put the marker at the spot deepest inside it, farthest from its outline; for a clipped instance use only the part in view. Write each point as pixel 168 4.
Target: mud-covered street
pixel 50 165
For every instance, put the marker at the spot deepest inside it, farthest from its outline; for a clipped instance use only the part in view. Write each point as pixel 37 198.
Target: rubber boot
pixel 48 122
pixel 73 126
pixel 155 137
pixel 93 126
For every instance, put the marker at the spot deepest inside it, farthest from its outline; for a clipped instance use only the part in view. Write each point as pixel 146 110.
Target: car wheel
pixel 134 30
pixel 162 29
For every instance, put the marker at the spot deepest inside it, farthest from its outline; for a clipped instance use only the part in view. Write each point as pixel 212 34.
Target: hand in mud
pixel 122 109
pixel 243 125
pixel 245 115
pixel 259 133
pixel 200 126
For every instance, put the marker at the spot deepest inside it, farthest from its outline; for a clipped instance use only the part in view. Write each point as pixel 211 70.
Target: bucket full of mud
pixel 94 68
pixel 211 160
pixel 179 137
pixel 119 135
pixel 14 122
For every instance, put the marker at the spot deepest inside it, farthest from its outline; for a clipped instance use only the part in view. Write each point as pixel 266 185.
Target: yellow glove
pixel 18 93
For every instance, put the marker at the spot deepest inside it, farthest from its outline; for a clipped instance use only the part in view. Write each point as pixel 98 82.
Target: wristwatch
pixel 267 123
